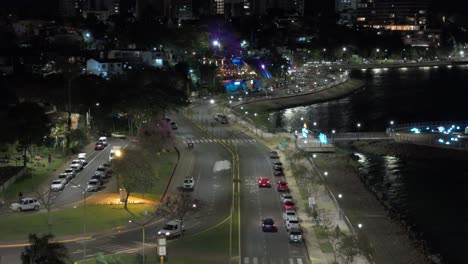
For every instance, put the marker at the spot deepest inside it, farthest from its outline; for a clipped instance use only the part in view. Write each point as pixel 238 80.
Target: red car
pixel 282 186
pixel 289 205
pixel 264 182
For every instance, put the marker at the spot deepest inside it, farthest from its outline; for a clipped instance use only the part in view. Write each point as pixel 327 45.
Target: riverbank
pixel 383 65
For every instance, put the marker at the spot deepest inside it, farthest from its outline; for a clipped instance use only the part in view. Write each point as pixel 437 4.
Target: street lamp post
pixel 339 207
pixel 143 239
pixel 358 127
pixel 333 136
pixel 84 217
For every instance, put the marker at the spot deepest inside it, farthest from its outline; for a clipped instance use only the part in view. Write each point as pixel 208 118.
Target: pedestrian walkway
pixel 273 260
pixel 210 140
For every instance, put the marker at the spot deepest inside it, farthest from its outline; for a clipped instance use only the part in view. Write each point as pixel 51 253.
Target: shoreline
pixel 384 65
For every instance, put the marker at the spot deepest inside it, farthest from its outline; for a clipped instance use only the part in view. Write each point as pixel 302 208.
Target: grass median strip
pixel 69 221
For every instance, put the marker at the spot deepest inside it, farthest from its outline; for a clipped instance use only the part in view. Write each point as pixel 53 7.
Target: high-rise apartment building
pixel 402 15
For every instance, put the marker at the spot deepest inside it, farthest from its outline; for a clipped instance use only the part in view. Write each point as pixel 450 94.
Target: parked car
pixel 295 235
pixel 268 225
pixel 278 163
pixel 274 155
pixel 289 205
pixel 57 185
pixel 71 172
pixel 93 186
pixel 82 157
pixel 263 182
pixel 77 165
pixel 65 177
pixel 172 228
pixel 278 173
pixel 25 204
pixel 282 186
pixel 286 196
pixel 99 178
pixel 118 135
pixel 173 125
pixel 278 168
pixel 290 224
pixel 290 215
pixel 101 170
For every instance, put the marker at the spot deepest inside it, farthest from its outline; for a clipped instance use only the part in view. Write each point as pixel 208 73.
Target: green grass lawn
pixel 210 247
pixel 166 163
pixel 69 221
pixel 31 180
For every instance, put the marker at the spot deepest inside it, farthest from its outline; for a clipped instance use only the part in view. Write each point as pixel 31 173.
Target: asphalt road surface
pixel 257 247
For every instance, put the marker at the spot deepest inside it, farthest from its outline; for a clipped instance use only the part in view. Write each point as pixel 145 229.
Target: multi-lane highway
pixel 257 247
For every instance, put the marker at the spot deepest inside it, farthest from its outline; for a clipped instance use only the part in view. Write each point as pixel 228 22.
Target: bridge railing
pixel 429 124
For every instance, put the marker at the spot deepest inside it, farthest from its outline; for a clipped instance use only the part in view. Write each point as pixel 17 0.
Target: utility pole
pixel 69 116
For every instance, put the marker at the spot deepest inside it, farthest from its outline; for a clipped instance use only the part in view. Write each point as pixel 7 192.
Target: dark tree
pixel 42 251
pixel 26 124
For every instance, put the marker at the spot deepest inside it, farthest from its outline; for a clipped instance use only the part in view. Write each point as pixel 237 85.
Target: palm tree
pixel 41 251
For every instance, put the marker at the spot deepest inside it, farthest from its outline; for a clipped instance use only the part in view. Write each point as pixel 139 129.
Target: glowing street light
pixel 212 101
pixel 216 43
pixel 358 127
pixel 344 49
pixel 359 225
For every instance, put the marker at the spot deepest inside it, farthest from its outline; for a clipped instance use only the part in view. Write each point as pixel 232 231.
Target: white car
pixel 26 204
pixel 57 185
pixel 103 140
pixel 172 228
pixel 93 185
pixel 290 215
pixel 71 172
pixel 77 165
pixel 286 196
pixel 189 183
pixel 118 135
pixel 82 158
pixel 291 224
pixel 65 177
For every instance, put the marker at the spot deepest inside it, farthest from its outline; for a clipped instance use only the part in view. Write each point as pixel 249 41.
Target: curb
pixel 172 175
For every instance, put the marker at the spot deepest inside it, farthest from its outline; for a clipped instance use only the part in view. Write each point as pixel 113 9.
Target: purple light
pixel 263 66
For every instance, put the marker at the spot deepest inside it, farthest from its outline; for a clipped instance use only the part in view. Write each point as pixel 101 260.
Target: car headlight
pixel 159 232
pixel 168 233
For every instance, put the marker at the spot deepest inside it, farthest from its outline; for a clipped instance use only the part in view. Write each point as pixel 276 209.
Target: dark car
pixel 274 155
pixel 278 173
pixel 268 225
pixel 173 125
pixel 99 146
pixel 278 168
pixel 98 178
pixel 278 163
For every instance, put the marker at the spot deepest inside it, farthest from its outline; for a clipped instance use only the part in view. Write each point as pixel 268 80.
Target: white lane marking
pixel 299 261
pixel 255 260
pixel 222 165
pixel 291 261
pixel 246 260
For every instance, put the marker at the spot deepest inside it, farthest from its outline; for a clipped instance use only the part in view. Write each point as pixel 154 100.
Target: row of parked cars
pixel 290 218
pixel 64 178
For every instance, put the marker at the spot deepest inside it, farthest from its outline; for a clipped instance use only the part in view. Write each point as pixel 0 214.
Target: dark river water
pixel 431 194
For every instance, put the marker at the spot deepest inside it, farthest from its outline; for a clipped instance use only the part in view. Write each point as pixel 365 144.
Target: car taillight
pixel 268 181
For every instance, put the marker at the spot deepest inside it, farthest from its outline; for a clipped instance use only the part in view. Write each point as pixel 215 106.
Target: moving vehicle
pixel 189 183
pixel 99 146
pixel 295 235
pixel 263 182
pixel 172 228
pixel 26 204
pixel 221 118
pixel 115 152
pixel 118 135
pixel 173 125
pixel 103 141
pixel 268 225
pixel 57 185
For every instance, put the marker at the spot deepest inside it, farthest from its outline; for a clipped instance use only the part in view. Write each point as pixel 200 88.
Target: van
pixel 103 140
pixel 115 152
pixel 82 158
